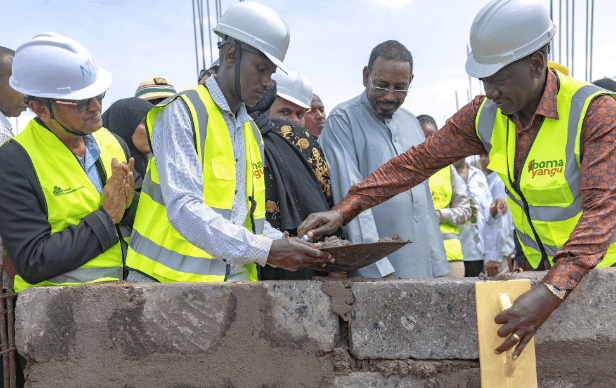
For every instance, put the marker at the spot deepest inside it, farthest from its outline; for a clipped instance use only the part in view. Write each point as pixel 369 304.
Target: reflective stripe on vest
pixel 156 248
pixel 442 193
pixel 70 196
pixel 550 180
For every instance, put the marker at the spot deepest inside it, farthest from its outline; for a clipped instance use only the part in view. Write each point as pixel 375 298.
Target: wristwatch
pixel 560 294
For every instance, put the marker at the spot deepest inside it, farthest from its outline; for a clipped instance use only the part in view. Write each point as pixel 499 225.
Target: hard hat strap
pixel 238 59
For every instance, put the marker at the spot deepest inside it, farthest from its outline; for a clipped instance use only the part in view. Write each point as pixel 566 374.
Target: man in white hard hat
pixel 294 96
pixel 201 215
pixel 359 136
pixel 64 197
pixel 550 138
pixel 296 173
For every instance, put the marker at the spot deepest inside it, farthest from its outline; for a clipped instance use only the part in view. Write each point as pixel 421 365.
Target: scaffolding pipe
pixel 209 30
pixel 560 31
pixel 195 30
pixel 470 84
pixel 457 105
pixel 572 36
pixel 200 11
pixel 592 36
pixel 552 19
pixel 216 3
pixel 586 42
pixel 567 31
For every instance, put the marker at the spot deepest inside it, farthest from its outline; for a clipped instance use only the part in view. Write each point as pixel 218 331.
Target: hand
pixel 117 190
pixel 498 206
pixel 438 216
pixel 491 268
pixel 525 317
pixel 130 180
pixel 318 224
pixel 338 275
pixel 511 261
pixel 293 254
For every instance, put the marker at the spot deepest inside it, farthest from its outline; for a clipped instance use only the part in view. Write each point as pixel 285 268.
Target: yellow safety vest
pixel 442 192
pixel 546 199
pixel 70 196
pixel 156 248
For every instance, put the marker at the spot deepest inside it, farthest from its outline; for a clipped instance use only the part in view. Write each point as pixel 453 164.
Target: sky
pixel 331 41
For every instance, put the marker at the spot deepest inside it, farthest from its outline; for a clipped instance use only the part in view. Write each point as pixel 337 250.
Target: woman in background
pixel 126 118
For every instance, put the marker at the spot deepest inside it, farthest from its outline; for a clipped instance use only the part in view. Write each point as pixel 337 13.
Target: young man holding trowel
pixel 549 137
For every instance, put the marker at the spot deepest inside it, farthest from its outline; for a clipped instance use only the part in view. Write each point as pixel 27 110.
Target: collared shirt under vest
pixel 70 196
pixel 546 199
pixel 157 249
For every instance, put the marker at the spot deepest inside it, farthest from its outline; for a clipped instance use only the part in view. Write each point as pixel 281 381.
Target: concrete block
pixel 377 380
pixel 413 318
pixel 197 334
pixel 436 318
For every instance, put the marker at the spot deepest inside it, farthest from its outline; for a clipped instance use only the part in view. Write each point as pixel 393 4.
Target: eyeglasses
pixel 385 91
pixel 82 105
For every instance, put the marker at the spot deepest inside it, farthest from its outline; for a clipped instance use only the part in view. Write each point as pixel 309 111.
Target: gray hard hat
pixel 258 26
pixel 294 87
pixel 505 31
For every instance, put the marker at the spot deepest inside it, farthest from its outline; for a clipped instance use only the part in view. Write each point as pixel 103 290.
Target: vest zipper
pixel 516 188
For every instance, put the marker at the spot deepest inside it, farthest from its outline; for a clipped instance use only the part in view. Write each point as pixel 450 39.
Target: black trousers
pixel 472 269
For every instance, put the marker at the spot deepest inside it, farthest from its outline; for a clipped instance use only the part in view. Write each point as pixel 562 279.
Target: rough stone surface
pixel 412 318
pixel 436 319
pixel 377 380
pixel 162 335
pixel 401 333
pixel 466 378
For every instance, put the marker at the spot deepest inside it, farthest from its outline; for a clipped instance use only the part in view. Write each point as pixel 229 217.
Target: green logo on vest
pixel 57 191
pixel 549 167
pixel 257 170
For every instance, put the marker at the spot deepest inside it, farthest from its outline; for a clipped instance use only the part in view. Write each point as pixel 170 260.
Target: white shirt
pixel 6 129
pixel 497 188
pixel 474 237
pixel 181 182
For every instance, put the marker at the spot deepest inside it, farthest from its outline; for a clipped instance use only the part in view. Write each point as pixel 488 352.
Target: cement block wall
pixel 386 333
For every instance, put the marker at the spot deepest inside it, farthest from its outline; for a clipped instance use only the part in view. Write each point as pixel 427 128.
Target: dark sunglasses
pixel 82 105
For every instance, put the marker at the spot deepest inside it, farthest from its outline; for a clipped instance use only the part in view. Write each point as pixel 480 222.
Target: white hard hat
pixel 505 31
pixel 258 26
pixel 54 66
pixel 294 87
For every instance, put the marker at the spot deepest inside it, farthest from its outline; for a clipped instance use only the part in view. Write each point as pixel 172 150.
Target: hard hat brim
pixel 276 62
pixel 480 70
pixel 102 84
pixel 293 100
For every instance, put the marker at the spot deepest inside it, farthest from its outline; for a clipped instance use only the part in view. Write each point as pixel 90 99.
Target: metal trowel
pixel 501 371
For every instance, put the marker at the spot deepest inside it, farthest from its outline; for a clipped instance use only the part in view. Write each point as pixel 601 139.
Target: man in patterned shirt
pixel 552 184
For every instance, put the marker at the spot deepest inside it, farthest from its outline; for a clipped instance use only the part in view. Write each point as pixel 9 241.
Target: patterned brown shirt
pixel 457 139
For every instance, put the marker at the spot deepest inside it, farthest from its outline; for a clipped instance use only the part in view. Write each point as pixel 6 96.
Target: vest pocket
pixel 551 192
pixel 223 169
pixel 555 196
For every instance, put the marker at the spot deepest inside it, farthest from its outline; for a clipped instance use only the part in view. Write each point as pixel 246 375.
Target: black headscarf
pixel 299 191
pixel 122 118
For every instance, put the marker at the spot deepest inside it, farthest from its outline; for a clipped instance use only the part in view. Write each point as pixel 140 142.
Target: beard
pixel 387 108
